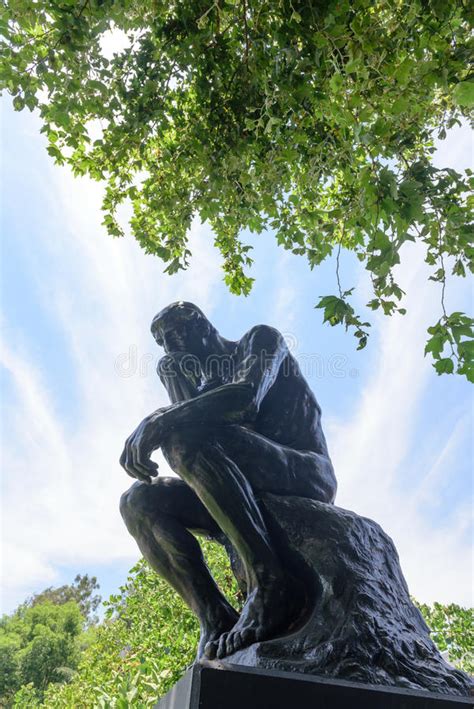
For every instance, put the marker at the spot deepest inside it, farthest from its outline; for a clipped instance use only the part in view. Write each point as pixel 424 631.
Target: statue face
pixel 181 330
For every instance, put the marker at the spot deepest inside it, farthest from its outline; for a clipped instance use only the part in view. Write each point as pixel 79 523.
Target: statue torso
pixel 289 414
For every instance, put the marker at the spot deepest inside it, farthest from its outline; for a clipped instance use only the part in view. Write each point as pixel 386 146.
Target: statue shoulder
pixel 262 336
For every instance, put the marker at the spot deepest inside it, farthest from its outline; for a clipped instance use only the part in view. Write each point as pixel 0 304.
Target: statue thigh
pixel 267 466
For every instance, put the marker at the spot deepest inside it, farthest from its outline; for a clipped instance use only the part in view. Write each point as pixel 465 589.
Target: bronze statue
pixel 325 594
pixel 242 422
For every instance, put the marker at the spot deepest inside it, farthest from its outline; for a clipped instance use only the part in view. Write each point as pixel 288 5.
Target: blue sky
pixel 78 375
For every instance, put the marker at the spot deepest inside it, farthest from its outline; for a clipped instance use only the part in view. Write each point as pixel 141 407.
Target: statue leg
pixel 159 517
pixel 200 458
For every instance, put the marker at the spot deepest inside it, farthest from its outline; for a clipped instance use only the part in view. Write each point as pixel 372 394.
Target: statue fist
pixel 135 458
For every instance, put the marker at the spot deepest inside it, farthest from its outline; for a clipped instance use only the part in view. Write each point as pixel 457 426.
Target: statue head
pixel 182 327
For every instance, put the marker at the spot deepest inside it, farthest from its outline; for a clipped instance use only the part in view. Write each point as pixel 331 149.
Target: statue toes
pixel 229 645
pixel 240 640
pixel 210 650
pixel 222 646
pixel 247 637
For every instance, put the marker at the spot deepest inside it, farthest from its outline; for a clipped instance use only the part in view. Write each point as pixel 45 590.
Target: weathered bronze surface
pixel 323 587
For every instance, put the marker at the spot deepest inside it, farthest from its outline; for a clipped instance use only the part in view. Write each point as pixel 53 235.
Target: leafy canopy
pixel 82 591
pixel 313 119
pixel 42 640
pixel 452 629
pixel 146 644
pixel 38 646
pixel 149 638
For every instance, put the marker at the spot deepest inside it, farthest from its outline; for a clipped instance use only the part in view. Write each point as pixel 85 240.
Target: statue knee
pixel 328 483
pixel 133 504
pixel 332 484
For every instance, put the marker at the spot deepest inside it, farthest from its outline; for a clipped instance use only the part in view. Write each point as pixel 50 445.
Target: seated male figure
pixel 242 421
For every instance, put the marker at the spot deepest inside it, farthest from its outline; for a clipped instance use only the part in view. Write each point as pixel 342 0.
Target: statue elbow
pixel 330 483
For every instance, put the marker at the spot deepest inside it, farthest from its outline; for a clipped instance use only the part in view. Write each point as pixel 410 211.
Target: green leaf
pixel 18 103
pixel 336 82
pixel 458 269
pixel 353 66
pixel 466 349
pixel 400 105
pixel 464 93
pixel 467 369
pixel 444 366
pixel 435 345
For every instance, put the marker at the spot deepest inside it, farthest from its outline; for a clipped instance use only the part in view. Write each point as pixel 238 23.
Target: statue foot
pixel 269 608
pixel 211 631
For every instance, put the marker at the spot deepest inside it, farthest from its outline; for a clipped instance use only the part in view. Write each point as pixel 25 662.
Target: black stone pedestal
pixel 215 685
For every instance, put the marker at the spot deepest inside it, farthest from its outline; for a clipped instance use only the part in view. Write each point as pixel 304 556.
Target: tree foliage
pixel 147 642
pixel 39 646
pixel 313 119
pixel 41 642
pixel 82 590
pixel 452 629
pixel 149 638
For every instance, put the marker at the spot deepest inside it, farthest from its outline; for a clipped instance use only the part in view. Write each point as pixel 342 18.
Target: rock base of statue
pixel 358 622
pixel 217 685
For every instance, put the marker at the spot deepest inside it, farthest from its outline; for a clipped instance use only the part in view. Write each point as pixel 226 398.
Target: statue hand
pixel 135 458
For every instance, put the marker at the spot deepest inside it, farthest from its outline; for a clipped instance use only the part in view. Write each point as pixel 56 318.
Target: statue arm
pixel 180 374
pixel 260 355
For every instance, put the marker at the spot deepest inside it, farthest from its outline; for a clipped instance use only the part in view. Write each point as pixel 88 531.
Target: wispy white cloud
pixel 62 483
pixel 442 466
pixel 285 306
pixel 61 486
pixel 456 150
pixel 372 448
